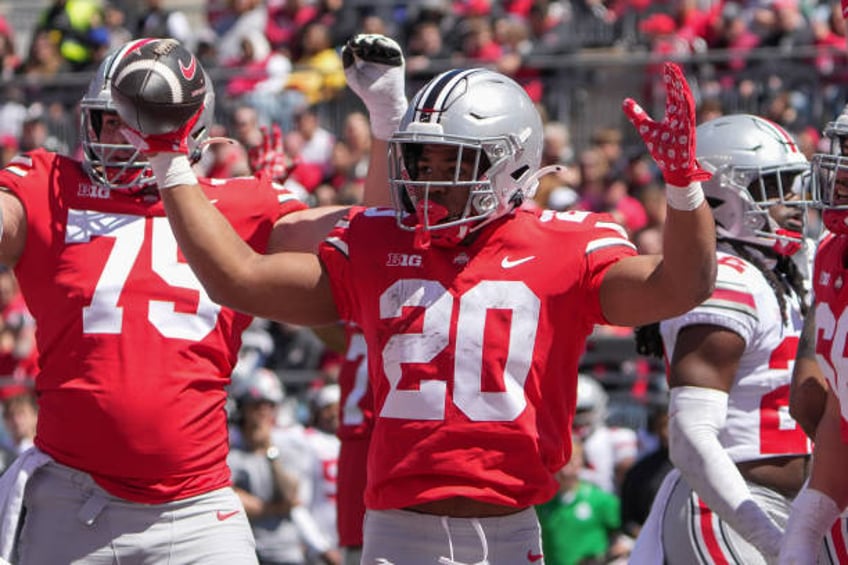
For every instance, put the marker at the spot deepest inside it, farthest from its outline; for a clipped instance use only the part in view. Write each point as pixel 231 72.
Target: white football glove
pixel 376 72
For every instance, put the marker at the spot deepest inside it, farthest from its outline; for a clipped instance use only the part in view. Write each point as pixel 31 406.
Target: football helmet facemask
pixel 122 166
pixel 756 165
pixel 830 176
pixel 494 134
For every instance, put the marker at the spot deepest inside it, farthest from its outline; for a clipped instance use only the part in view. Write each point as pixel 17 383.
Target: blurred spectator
pixel 8 148
pixel 318 71
pixel 18 355
pixel 425 46
pixel 600 192
pixel 556 149
pixel 295 348
pixel 314 144
pixel 648 240
pixel 349 161
pixel 75 27
pixel 581 522
pixel 643 480
pixel 259 80
pixel 285 20
pixel 478 47
pixel 20 419
pixel 9 59
pixel 36 132
pixel 262 479
pixel 115 22
pixel 223 160
pixel 245 127
pixel 157 21
pixel 608 451
pixel 321 438
pixel 44 59
pixel 241 18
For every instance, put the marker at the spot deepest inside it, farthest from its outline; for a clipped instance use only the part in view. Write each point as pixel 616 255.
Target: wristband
pixel 171 169
pixel 813 513
pixel 684 198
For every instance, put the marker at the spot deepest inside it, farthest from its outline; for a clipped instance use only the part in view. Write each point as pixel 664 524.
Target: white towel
pixel 648 549
pixel 12 484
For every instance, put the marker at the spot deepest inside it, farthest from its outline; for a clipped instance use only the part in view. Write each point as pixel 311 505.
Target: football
pixel 157 85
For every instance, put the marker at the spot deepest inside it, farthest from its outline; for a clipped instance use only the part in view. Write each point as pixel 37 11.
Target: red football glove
pixel 671 142
pixel 270 156
pixel 172 142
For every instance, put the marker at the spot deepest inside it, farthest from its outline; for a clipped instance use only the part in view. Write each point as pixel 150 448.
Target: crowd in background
pixel 277 62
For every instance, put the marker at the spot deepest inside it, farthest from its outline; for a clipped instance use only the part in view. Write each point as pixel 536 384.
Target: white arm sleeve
pixel 696 415
pixel 812 515
pixel 309 531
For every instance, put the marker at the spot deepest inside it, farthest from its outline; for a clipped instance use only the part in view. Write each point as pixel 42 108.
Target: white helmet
pixel 754 163
pixel 122 166
pixel 483 114
pixel 260 385
pixel 592 402
pixel 830 175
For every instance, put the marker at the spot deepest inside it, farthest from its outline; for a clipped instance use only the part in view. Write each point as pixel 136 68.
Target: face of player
pixel 437 166
pixel 787 217
pixel 110 130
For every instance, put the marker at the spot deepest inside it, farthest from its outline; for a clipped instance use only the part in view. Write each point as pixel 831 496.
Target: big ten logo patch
pixel 403 260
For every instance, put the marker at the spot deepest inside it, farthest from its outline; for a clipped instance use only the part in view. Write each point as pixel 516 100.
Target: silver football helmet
pixel 591 409
pixel 494 129
pixel 122 166
pixel 755 165
pixel 830 176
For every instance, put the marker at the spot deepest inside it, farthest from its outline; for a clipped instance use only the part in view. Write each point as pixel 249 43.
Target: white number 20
pixel 104 315
pixel 428 401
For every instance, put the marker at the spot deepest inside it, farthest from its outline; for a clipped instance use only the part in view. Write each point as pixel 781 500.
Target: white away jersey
pixel 758 423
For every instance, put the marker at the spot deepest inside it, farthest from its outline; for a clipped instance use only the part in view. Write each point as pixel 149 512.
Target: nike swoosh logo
pixel 226 515
pixel 188 72
pixel 533 557
pixel 507 263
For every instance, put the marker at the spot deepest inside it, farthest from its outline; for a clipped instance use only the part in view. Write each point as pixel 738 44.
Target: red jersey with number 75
pixel 134 356
pixel 472 350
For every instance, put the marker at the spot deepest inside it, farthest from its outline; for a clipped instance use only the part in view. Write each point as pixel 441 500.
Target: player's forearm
pixel 696 416
pixel 217 255
pixel 377 190
pixel 688 270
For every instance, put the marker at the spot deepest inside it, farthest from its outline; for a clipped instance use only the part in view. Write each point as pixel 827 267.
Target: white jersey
pixel 325 456
pixel 758 423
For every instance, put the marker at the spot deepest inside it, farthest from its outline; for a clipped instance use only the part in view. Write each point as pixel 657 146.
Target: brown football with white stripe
pixel 157 85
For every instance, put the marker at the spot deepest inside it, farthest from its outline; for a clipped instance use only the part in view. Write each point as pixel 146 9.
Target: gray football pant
pixel 70 519
pixel 399 537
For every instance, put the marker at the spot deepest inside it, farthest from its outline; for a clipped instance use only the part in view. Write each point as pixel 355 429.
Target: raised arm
pixel 291 287
pixel 375 70
pixel 643 289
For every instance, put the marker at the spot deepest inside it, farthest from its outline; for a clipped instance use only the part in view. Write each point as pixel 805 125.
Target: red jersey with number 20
pixel 134 356
pixel 830 285
pixel 472 350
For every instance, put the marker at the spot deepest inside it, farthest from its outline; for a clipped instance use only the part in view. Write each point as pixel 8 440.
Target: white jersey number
pixel 428 401
pixel 836 333
pixel 356 351
pixel 104 315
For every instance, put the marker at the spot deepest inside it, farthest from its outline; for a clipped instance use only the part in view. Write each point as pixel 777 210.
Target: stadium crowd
pixel 278 62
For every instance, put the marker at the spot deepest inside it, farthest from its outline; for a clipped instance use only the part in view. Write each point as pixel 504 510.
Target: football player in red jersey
pixel 474 310
pixel 818 400
pixel 131 443
pixel 739 459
